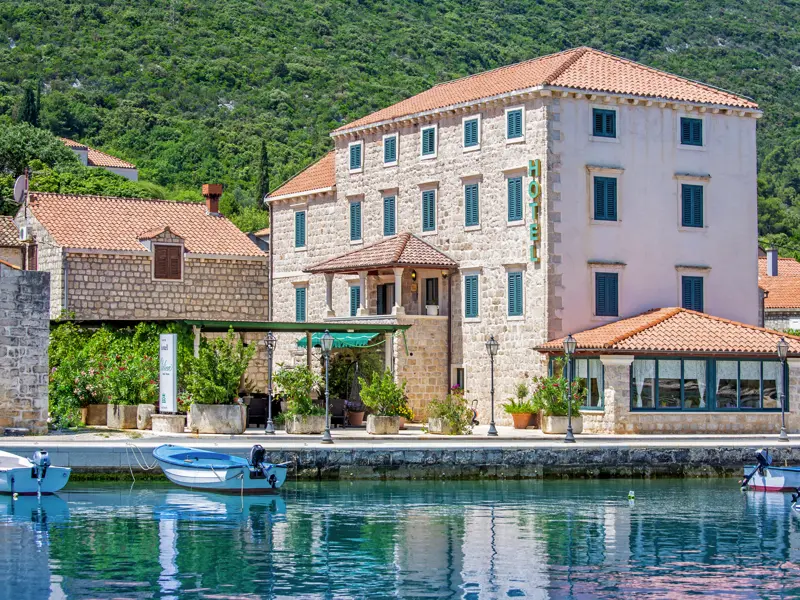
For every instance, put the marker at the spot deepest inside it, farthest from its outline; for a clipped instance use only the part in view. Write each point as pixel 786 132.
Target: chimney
pixel 772 262
pixel 212 192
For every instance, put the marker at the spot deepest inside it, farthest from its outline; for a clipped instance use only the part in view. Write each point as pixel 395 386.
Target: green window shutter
pixel 611 199
pixel 429 210
pixel 300 304
pixel 514 124
pixel 355 221
pixel 471 133
pixel 515 294
pixel 691 131
pixel 471 296
pixel 389 218
pixel 428 141
pixel 300 229
pixel 355 156
pixel 355 299
pixel 605 199
pixel 515 199
pixel 390 149
pixel 691 205
pixel 606 294
pixel 692 293
pixel 381 299
pixel 604 123
pixel 471 210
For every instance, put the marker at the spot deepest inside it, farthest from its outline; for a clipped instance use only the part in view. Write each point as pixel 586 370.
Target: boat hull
pixel 774 479
pixel 19 481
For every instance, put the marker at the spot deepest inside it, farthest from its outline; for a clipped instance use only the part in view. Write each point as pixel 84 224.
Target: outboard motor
pixel 764 460
pixel 257 456
pixel 40 460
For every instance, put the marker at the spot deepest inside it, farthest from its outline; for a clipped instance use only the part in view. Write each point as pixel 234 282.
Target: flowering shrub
pixel 453 410
pixel 384 397
pixel 218 370
pixel 296 383
pixel 550 395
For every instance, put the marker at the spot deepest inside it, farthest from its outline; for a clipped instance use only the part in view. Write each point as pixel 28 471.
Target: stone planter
pixel 121 416
pixel 559 424
pixel 440 426
pixel 522 420
pixel 383 425
pixel 432 310
pixel 218 418
pixel 144 414
pixel 168 423
pixel 97 414
pixel 355 418
pixel 84 415
pixel 305 424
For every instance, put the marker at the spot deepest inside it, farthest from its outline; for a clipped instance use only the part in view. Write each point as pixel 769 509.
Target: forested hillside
pixel 188 89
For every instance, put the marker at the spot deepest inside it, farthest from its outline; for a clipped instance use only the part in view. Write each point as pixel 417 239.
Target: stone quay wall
pixel 24 338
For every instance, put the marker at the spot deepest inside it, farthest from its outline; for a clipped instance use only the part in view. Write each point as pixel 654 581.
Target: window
pixel 355 299
pixel 471 205
pixel 390 149
pixel 515 308
pixel 691 132
pixel 385 298
pixel 300 229
pixel 471 296
pixel 691 205
pixel 605 199
pixel 355 221
pixel 428 141
pixel 432 291
pixel 300 304
pixel 692 293
pixel 515 199
pixel 606 294
pixel 472 137
pixel 389 215
pixel 514 124
pixel 167 262
pixel 429 210
pixel 590 372
pixel 356 159
pixel 700 384
pixel 604 123
pixel 460 379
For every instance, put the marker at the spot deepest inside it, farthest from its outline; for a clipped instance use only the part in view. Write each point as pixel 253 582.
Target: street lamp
pixel 327 345
pixel 492 346
pixel 271 341
pixel 569 349
pixel 783 350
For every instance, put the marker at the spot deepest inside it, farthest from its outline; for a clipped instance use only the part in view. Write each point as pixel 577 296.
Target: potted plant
pixel 406 414
pixel 355 412
pixel 432 310
pixel 302 414
pixel 520 408
pixel 386 401
pixel 214 385
pixel 450 416
pixel 550 397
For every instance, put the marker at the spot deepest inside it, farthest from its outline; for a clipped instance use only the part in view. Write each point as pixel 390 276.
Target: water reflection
pixel 407 540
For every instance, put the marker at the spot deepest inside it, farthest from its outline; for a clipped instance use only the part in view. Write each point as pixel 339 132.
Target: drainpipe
pixel 449 331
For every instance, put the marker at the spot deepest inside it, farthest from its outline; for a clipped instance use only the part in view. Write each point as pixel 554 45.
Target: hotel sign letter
pixel 534 193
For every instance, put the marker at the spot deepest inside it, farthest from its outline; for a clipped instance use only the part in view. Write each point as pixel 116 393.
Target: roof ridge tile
pixel 660 319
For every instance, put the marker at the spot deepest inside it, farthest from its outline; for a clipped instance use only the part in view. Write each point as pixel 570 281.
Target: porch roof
pixel 403 250
pixel 677 330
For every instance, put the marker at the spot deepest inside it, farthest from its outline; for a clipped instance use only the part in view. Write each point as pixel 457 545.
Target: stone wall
pixel 421 360
pixel 50 259
pixel 782 320
pixel 24 337
pixel 11 255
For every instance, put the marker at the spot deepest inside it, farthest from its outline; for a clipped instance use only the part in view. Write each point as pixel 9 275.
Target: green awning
pixel 340 340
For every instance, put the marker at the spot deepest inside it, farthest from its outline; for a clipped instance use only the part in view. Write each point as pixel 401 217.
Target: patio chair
pixel 337 410
pixel 257 409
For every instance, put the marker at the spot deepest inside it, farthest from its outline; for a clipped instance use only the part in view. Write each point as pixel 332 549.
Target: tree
pixel 262 187
pixel 29 108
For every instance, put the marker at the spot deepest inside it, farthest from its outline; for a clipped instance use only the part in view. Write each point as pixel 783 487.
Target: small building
pixel 94 158
pixel 260 238
pixel 136 259
pixel 12 248
pixel 672 370
pixel 779 278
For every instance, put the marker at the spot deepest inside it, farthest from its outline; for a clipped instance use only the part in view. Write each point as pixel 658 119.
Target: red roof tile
pixel 9 265
pixel 401 250
pixel 95 158
pixel 9 234
pixel 107 223
pixel 262 232
pixel 678 330
pixel 786 266
pixel 320 175
pixel 783 289
pixel 584 69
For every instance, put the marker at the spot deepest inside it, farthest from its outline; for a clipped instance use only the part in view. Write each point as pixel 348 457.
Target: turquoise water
pixel 577 539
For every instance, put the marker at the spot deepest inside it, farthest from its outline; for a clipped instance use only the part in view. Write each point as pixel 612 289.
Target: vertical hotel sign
pixel 534 193
pixel 167 373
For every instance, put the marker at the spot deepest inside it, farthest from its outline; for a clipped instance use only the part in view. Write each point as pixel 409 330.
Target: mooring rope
pixel 143 467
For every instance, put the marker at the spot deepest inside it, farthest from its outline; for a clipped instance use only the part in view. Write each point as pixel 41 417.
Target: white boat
pixel 766 477
pixel 25 477
pixel 215 471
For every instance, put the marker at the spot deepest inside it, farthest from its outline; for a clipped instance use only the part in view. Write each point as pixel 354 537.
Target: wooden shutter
pixel 428 141
pixel 697 206
pixel 33 257
pixel 381 290
pixel 514 294
pixel 355 157
pixel 299 229
pixel 606 295
pixel 300 304
pixel 161 259
pixel 471 296
pixel 604 123
pixel 697 132
pixel 691 131
pixel 515 199
pixel 355 299
pixel 611 199
pixel 429 210
pixel 692 293
pixel 470 133
pixel 692 205
pixel 174 262
pixel 605 199
pixel 355 221
pixel 471 216
pixel 514 124
pixel 390 149
pixel 389 220
pixel 598 122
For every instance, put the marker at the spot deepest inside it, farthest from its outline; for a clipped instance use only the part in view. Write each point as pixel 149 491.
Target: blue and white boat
pixel 218 472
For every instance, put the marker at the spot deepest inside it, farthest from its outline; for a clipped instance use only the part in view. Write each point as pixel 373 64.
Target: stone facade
pixel 24 338
pixel 782 319
pixel 11 255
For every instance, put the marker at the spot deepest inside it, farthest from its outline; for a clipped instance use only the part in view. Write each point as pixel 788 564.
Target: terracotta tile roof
pixel 9 234
pixel 262 232
pixel 678 330
pixel 320 175
pixel 108 223
pixel 783 289
pixel 786 266
pixel 401 250
pixel 95 158
pixel 584 69
pixel 9 265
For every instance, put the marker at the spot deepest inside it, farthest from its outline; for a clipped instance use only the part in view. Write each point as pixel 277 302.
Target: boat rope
pixel 142 463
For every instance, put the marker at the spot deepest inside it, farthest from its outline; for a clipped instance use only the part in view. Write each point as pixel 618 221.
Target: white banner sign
pixel 168 373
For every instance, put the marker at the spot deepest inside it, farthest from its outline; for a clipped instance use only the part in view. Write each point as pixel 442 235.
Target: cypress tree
pixel 262 187
pixel 29 109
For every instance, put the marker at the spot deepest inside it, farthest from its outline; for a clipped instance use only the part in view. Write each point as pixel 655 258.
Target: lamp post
pixel 783 350
pixel 270 342
pixel 327 344
pixel 492 346
pixel 569 349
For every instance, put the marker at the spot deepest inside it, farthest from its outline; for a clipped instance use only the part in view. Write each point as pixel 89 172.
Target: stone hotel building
pixel 563 194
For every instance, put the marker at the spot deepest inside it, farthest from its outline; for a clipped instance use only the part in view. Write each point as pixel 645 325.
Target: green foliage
pixel 217 371
pixel 262 184
pixel 454 411
pixel 520 405
pixel 550 395
pixel 342 368
pixel 384 397
pixel 296 384
pixel 29 108
pixel 250 219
